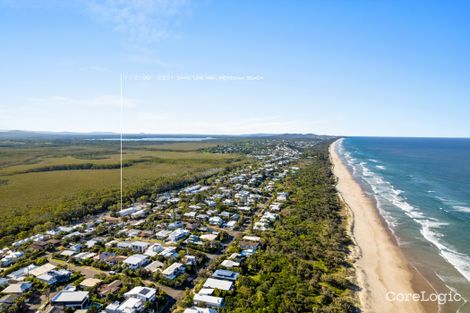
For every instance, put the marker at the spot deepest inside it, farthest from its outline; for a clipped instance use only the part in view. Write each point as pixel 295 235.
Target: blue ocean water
pixel 422 189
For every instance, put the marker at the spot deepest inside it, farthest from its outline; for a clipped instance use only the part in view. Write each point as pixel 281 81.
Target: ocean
pixel 422 189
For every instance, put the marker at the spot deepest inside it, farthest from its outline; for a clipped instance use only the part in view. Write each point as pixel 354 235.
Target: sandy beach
pixel 381 268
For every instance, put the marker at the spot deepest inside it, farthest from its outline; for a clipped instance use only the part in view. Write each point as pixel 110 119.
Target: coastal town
pixel 180 251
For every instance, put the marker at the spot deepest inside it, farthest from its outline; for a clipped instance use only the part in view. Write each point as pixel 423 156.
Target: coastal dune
pixel 382 270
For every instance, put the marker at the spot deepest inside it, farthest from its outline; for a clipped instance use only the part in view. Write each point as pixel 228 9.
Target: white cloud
pixel 142 21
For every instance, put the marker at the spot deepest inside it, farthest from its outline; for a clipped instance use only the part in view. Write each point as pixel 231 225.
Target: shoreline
pixel 382 269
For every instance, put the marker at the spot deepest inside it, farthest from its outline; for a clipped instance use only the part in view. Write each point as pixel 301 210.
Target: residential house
pixel 139 246
pixel 124 245
pixel 169 253
pixel 136 261
pixel 206 300
pixel 216 220
pixel 153 250
pixel 163 234
pixel 196 309
pixel 131 305
pixel 7 301
pixel 175 225
pixel 17 288
pixel 209 237
pixel 127 211
pixel 225 274
pixel 20 274
pixel 70 298
pixel 173 271
pixel 230 264
pixel 155 266
pixel 218 284
pixel 178 234
pixel 82 256
pixel 108 258
pixel 10 257
pixel 54 277
pixel 190 260
pixel 145 294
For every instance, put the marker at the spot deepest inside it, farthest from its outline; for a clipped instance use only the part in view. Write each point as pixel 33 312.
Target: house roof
pixel 17 288
pixel 154 266
pixel 135 259
pixel 224 274
pixel 172 268
pixel 145 292
pixel 195 309
pixel 66 296
pixel 216 301
pixel 128 304
pixel 218 284
pixel 230 263
pixel 208 237
pixel 140 244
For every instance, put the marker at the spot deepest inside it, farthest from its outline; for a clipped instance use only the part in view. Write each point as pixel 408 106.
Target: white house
pixel 21 273
pixel 139 246
pixel 178 234
pixel 172 271
pixel 131 305
pixel 18 288
pixel 210 301
pixel 231 224
pixel 127 211
pixel 216 220
pixel 218 284
pixel 10 258
pixel 55 276
pixel 71 299
pixel 139 214
pixel 169 253
pixel 84 256
pixel 154 266
pixel 196 309
pixel 153 250
pixel 145 294
pixel 124 245
pixel 136 261
pixel 208 237
pixel 230 264
pixel 175 225
pixel 163 234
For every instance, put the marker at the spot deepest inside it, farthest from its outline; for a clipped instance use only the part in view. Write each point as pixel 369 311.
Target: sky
pixel 375 68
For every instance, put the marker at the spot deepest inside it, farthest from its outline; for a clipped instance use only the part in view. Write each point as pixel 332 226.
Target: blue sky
pixel 393 68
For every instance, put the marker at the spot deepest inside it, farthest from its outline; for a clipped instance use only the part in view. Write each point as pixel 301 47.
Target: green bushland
pixel 302 265
pixel 50 183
